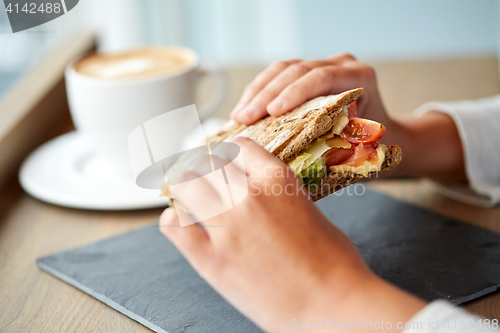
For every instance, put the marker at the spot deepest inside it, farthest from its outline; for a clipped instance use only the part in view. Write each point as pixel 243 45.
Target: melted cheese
pixel 338 124
pixel 338 142
pixel 309 155
pixel 367 167
pixel 297 164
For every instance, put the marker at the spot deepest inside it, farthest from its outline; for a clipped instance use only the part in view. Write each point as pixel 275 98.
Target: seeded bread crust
pixel 334 181
pixel 287 135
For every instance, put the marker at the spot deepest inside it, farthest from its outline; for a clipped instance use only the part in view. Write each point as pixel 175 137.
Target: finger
pixel 341 58
pixel 227 153
pixel 264 78
pixel 320 81
pixel 260 82
pixel 235 173
pixel 256 158
pixel 235 177
pixel 228 157
pixel 191 240
pixel 198 196
pixel 208 167
pixel 237 183
pixel 256 108
pixel 222 153
pixel 203 165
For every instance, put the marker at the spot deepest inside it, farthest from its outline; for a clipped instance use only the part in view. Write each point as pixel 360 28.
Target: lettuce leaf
pixel 314 172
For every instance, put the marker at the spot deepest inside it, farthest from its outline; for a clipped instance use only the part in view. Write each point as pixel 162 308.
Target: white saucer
pixel 65 172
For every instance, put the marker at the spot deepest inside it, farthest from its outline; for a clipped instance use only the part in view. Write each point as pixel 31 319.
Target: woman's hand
pixel 431 144
pixel 275 257
pixel 285 85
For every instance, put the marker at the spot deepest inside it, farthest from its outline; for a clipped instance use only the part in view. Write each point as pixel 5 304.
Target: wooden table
pixel 33 301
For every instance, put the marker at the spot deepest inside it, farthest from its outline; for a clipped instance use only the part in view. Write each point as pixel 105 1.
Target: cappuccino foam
pixel 136 64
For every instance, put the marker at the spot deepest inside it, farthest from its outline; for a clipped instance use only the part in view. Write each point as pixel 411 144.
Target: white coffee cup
pixel 105 111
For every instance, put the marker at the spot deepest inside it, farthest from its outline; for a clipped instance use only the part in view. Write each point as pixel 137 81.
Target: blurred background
pixel 255 32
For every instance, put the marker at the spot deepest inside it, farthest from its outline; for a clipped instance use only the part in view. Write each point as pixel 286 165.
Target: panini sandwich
pixel 324 145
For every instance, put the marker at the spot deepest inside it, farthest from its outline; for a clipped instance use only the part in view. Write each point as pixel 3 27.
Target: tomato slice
pixel 352 109
pixel 360 130
pixel 336 156
pixel 362 153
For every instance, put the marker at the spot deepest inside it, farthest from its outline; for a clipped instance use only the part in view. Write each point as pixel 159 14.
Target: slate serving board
pixel 142 275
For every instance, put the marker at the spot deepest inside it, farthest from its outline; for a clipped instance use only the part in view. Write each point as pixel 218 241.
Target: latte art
pixel 136 64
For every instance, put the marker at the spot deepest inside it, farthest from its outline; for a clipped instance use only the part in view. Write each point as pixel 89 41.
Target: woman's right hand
pixel 275 256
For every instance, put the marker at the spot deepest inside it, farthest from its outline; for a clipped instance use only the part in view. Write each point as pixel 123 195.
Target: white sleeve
pixel 478 124
pixel 441 316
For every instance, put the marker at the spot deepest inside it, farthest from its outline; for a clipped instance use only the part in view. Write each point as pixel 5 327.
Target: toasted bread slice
pixel 287 135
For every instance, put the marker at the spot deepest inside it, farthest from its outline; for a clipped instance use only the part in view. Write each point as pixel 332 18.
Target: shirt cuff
pixel 475 121
pixel 440 316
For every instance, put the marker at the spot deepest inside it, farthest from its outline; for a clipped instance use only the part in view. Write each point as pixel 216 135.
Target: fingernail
pixel 278 103
pixel 249 110
pixel 166 217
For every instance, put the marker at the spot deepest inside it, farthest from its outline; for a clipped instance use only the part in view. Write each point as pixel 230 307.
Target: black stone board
pixel 142 275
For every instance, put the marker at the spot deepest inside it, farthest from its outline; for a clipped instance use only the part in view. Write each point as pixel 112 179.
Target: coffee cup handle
pixel 217 96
